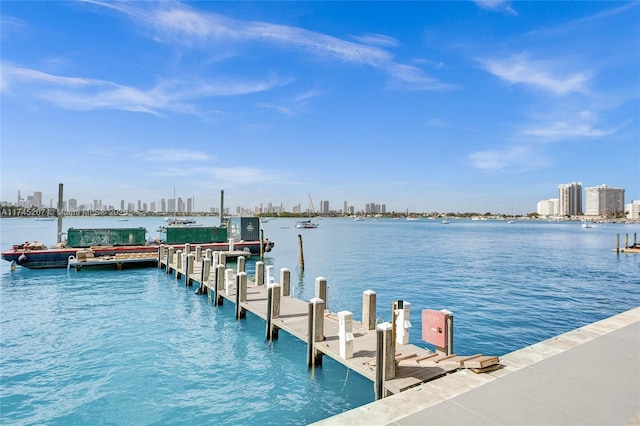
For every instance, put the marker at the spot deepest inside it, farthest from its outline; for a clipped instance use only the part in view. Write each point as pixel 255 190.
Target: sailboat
pixel 308 224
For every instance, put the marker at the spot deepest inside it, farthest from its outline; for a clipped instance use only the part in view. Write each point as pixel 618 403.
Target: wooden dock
pixel 117 261
pixel 413 365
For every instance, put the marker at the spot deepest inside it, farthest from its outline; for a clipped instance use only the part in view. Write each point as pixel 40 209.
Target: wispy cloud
pixel 496 6
pixel 520 69
pixel 377 40
pixel 167 155
pixel 515 158
pixel 177 22
pixel 581 125
pixel 87 94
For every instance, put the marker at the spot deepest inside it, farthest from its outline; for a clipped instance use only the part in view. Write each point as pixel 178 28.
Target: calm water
pixel 137 347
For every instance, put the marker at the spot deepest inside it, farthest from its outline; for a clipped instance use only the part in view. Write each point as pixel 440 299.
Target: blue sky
pixel 427 106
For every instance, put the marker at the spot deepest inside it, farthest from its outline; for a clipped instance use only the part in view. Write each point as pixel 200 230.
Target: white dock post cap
pixel 273 284
pixel 368 292
pixel 316 301
pixel 446 311
pixel 385 326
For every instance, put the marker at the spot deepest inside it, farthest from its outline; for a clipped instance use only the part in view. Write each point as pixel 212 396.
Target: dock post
pixel 269 278
pixel 189 269
pixel 301 252
pixel 187 248
pixel 321 290
pixel 219 300
pixel 198 253
pixel 618 243
pixel 316 331
pixel 345 334
pixel 259 272
pixel 206 268
pixel 208 254
pixel 369 309
pixel 273 310
pixel 626 240
pixel 403 323
pixel 242 261
pixel 241 294
pixel 179 259
pixel 385 358
pixel 228 280
pixel 285 281
pixel 160 253
pixel 222 258
pixel 169 259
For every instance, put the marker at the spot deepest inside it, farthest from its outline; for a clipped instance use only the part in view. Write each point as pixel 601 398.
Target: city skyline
pixel 570 202
pixel 470 106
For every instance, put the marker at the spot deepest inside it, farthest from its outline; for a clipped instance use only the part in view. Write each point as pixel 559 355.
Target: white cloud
pixel 377 40
pixel 88 94
pixel 162 155
pixel 178 22
pixel 496 6
pixel 520 69
pixel 515 158
pixel 582 124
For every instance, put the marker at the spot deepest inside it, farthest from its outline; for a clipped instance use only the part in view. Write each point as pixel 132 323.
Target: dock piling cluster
pixel 397 365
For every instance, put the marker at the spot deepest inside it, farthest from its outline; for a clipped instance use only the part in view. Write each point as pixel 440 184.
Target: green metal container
pixel 194 234
pixel 106 237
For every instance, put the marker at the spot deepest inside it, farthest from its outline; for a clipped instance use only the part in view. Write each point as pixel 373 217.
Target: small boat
pixel 306 224
pixel 358 218
pixel 444 222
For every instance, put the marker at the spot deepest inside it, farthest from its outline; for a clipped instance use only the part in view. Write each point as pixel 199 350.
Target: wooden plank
pixel 481 362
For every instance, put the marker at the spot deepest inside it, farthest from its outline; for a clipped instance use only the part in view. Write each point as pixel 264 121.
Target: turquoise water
pixel 138 347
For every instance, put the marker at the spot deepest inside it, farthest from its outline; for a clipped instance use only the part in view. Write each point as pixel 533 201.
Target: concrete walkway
pixel 589 376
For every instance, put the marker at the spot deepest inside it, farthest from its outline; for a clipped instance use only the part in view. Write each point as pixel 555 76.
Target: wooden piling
pixel 301 254
pixel 385 357
pixel 191 259
pixel 179 262
pixel 241 266
pixel 285 281
pixel 259 273
pixel 618 243
pixel 316 331
pixel 321 290
pixel 219 299
pixel 241 294
pixel 169 259
pixel 273 310
pixel 369 309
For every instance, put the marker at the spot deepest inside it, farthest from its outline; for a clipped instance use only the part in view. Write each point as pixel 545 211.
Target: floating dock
pixel 119 261
pixel 359 346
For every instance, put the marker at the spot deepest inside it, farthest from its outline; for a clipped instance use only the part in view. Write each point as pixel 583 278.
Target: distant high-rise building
pixel 73 204
pixel 152 207
pixel 163 205
pixel 37 199
pixel 548 207
pixel 633 210
pixel 604 200
pixel 570 199
pixel 189 205
pixel 122 205
pixel 345 207
pixel 325 207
